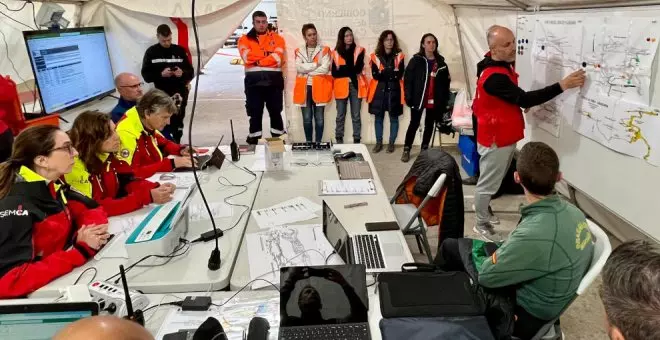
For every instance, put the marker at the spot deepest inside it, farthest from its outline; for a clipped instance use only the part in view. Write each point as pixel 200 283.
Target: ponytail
pixel 7 177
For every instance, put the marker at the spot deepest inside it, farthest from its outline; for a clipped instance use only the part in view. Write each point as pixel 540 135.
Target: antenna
pixel 232 130
pixel 233 147
pixel 131 315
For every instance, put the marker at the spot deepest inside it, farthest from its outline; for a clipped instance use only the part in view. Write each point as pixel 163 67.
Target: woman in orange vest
pixel 350 82
pixel 313 88
pixel 386 87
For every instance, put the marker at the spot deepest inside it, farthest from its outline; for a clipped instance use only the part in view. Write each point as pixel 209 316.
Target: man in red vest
pixel 497 106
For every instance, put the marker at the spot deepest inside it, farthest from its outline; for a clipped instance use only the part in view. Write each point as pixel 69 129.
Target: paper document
pixel 235 316
pixel 348 187
pixel 125 223
pixel 180 179
pixel 300 202
pixel 268 251
pixel 198 212
pixel 282 214
pixel 115 249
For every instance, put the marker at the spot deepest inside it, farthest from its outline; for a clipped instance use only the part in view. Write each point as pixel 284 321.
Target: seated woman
pixel 142 144
pixel 47 229
pixel 98 174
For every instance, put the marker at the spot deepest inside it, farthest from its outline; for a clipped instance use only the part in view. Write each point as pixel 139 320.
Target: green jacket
pixel 546 257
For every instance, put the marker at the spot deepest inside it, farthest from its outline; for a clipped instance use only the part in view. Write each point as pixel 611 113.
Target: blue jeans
pixel 342 104
pixel 312 112
pixel 394 127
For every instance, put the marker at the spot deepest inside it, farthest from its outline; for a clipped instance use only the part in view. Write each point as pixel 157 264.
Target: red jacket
pixel 115 188
pixel 38 235
pixel 499 122
pixel 146 151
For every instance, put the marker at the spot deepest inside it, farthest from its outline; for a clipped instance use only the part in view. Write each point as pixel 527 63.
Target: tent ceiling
pixel 551 4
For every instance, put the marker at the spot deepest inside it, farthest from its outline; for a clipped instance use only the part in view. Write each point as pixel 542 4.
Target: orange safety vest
pixel 321 83
pixel 373 83
pixel 341 84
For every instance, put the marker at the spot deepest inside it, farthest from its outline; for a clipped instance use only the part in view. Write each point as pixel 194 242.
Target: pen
pixel 355 205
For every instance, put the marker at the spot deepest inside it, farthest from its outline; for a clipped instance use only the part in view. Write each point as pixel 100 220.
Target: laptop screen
pixel 37 322
pixel 335 233
pixel 323 295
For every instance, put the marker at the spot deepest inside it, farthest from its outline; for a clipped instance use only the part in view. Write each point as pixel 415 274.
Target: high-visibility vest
pixel 341 84
pixel 321 83
pixel 373 83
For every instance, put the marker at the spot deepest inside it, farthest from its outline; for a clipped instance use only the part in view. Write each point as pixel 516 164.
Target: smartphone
pixel 382 226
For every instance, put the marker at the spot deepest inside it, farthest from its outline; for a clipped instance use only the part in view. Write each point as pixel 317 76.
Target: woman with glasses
pixel 47 228
pixel 98 174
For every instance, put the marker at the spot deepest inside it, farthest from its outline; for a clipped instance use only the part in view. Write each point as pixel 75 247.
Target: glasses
pixel 66 147
pixel 136 86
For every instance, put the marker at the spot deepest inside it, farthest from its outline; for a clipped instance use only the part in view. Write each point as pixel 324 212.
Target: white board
pixel 626 185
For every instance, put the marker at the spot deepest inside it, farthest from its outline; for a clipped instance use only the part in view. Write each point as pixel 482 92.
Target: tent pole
pixel 494 7
pixel 70 2
pixel 518 3
pixel 560 7
pixel 462 50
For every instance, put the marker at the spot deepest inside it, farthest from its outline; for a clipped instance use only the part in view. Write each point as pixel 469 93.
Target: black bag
pixel 422 290
pixel 454 328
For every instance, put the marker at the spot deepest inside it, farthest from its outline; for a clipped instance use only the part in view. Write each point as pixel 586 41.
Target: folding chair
pixel 407 214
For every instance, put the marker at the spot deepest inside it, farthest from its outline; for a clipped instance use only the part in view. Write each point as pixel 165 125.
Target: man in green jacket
pixel 544 258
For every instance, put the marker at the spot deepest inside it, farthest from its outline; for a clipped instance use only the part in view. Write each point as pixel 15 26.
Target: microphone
pixel 210 329
pixel 235 155
pixel 258 329
pixel 137 315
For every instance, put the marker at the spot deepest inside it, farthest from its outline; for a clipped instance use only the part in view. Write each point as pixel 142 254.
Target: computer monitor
pixel 70 66
pixel 41 321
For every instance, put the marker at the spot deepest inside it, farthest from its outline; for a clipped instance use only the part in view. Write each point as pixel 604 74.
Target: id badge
pixel 433 74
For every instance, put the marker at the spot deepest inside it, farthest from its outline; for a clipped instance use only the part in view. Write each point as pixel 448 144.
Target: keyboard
pixel 326 332
pixel 367 248
pixel 354 170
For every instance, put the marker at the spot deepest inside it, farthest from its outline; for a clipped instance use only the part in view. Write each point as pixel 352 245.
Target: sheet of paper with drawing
pixel 294 210
pixel 347 187
pixel 268 251
pixel 198 212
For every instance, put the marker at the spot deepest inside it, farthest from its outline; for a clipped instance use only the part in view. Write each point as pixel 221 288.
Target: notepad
pixel 347 187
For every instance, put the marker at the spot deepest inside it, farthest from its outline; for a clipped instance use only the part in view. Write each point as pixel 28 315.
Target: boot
pixel 406 154
pixel 378 148
pixel 425 147
pixel 356 140
pixel 252 140
pixel 390 148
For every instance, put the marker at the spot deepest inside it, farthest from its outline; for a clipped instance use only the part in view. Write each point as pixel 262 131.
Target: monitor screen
pixel 335 232
pixel 71 66
pixel 323 295
pixel 37 325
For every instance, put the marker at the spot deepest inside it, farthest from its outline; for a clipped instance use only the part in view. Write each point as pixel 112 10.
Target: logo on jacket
pixel 18 212
pixel 124 153
pixel 582 236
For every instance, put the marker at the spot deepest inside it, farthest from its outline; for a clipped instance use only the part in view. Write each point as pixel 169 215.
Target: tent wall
pixel 409 19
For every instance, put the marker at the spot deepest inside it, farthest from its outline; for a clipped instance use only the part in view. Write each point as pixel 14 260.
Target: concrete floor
pixel 221 98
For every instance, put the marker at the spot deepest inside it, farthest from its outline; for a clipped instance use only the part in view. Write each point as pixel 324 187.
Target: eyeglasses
pixel 66 147
pixel 133 86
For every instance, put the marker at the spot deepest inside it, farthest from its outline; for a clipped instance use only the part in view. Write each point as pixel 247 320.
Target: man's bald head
pixel 103 327
pixel 502 43
pixel 129 86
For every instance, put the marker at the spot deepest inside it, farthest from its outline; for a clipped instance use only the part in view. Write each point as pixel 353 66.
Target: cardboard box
pixel 275 154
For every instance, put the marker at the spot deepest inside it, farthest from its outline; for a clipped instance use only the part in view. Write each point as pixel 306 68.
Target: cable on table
pixel 83 273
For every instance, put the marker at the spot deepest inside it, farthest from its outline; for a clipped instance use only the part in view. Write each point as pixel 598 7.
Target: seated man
pixel 102 328
pixel 129 87
pixel 631 291
pixel 142 144
pixel 545 257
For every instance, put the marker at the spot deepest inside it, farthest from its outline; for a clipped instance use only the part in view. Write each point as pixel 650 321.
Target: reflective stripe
pixel 163 60
pixel 281 132
pixel 254 134
pixel 279 50
pixel 259 68
pixel 245 55
pixel 277 58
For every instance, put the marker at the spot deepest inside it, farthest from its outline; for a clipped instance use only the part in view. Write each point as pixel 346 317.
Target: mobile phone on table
pixel 382 226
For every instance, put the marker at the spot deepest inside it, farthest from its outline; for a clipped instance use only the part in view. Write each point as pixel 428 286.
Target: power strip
pixel 111 298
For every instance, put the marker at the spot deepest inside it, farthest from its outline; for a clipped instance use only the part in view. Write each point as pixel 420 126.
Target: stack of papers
pixel 294 210
pixel 179 179
pixel 198 212
pixel 348 187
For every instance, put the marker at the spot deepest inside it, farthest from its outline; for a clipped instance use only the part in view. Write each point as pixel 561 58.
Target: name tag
pixel 431 101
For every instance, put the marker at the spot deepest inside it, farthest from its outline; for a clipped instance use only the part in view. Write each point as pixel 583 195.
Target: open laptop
pixel 353 168
pixel 324 302
pixel 378 251
pixel 205 160
pixel 41 321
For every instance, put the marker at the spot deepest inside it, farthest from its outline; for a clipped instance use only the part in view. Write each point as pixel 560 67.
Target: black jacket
pixel 416 80
pixel 428 166
pixel 388 92
pixel 352 68
pixel 157 58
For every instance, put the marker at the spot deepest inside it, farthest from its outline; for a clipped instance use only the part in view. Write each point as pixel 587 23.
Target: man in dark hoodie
pixel 497 106
pixel 168 66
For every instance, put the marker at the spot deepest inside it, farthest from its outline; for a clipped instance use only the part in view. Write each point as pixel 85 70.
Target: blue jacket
pixel 122 106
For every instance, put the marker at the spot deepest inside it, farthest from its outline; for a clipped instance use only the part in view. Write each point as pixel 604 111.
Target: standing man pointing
pixel 497 106
pixel 263 54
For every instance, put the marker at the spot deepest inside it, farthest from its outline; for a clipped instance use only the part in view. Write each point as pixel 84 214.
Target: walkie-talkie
pixel 235 154
pixel 131 315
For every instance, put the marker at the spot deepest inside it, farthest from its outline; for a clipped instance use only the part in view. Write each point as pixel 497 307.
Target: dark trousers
pixel 312 117
pixel 255 99
pixel 525 325
pixel 429 125
pixel 6 142
pixel 174 130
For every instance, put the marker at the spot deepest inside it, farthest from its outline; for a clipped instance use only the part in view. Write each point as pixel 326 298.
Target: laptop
pixel 205 160
pixel 353 168
pixel 41 321
pixel 324 302
pixel 378 251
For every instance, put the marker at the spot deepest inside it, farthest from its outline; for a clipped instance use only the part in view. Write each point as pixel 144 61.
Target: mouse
pixel 347 155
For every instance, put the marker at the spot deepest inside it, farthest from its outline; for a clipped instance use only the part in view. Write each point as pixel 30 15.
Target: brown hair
pixel 380 47
pixel 306 27
pixel 154 101
pixel 89 131
pixel 30 143
pixel 538 168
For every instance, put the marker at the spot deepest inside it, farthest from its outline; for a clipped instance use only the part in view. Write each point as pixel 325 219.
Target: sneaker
pixel 493 219
pixel 390 148
pixel 487 232
pixel 406 155
pixel 378 148
pixel 471 180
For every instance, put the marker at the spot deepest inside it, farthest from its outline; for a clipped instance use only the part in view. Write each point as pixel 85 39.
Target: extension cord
pixel 111 298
